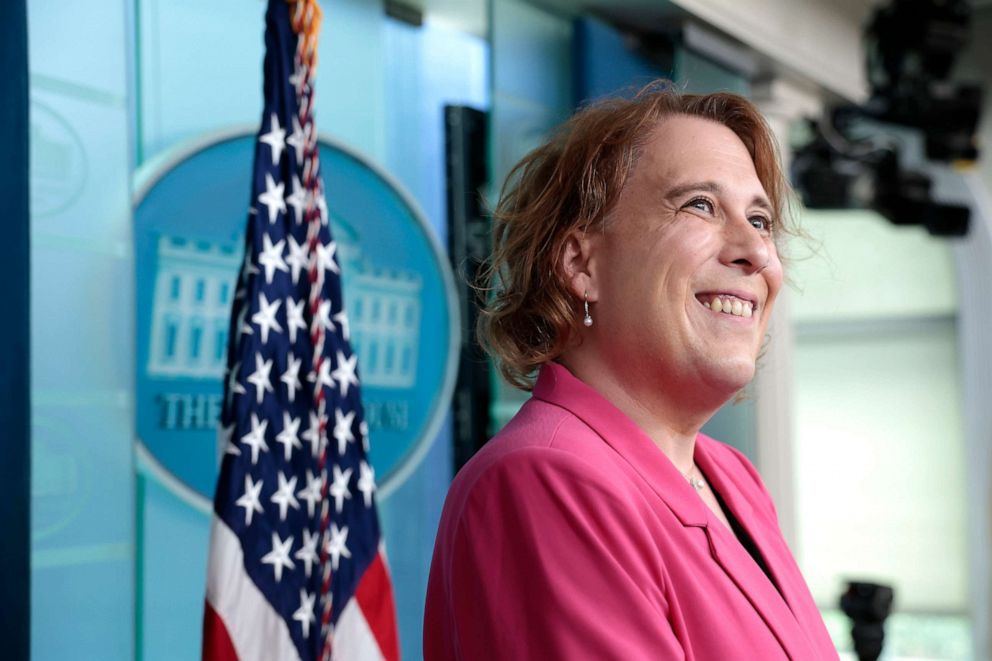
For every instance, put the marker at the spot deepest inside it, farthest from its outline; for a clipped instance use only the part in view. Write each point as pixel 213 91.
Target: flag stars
pixel 266 317
pixel 278 557
pixel 337 545
pixel 342 429
pixel 304 614
pixel 227 434
pixel 284 496
pixel 291 377
pixel 345 372
pixel 275 138
pixel 324 316
pixel 298 79
pixel 325 256
pixel 272 198
pixel 311 494
pixel 260 377
pixel 297 258
pixel 298 141
pixel 255 439
pixel 250 499
pixel 366 482
pixel 323 376
pixel 271 257
pixel 234 386
pixel 308 551
pixel 342 319
pixel 339 488
pixel 289 437
pixel 322 206
pixel 313 433
pixel 294 317
pixel 298 198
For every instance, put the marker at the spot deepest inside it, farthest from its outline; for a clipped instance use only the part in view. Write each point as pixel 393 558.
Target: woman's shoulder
pixel 543 447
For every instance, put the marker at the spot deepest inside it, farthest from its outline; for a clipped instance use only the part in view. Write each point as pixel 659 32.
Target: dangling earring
pixel 586 320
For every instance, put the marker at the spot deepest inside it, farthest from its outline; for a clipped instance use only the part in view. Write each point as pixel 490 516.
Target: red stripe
pixel 375 597
pixel 217 645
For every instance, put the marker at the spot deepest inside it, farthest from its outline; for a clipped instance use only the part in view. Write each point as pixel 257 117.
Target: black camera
pixel 911 46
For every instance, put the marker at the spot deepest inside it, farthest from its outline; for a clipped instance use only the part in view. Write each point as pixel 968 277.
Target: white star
pixel 325 256
pixel 297 140
pixel 275 138
pixel 342 430
pixel 304 614
pixel 234 386
pixel 366 482
pixel 324 315
pixel 342 320
pixel 249 500
pixel 255 439
pixel 227 433
pixel 298 77
pixel 308 552
pixel 339 489
pixel 345 373
pixel 248 269
pixel 313 434
pixel 272 197
pixel 321 203
pixel 260 377
pixel 298 198
pixel 311 494
pixel 323 375
pixel 283 497
pixel 337 545
pixel 363 429
pixel 294 317
pixel 297 258
pixel 266 316
pixel 278 557
pixel 271 257
pixel 288 436
pixel 291 377
pixel 244 328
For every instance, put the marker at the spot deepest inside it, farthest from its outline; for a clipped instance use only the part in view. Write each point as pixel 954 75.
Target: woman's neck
pixel 671 420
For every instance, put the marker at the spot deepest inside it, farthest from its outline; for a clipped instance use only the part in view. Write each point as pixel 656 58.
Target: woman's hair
pixel 572 182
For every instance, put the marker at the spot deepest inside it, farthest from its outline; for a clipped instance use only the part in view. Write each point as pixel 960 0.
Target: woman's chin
pixel 729 376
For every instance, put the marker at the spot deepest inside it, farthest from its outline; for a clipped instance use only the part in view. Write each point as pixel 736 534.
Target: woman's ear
pixel 578 263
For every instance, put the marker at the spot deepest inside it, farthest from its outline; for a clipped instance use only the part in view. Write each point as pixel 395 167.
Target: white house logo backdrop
pixel 189 227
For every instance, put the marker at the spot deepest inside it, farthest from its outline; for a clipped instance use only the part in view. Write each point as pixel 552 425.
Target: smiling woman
pixel 635 269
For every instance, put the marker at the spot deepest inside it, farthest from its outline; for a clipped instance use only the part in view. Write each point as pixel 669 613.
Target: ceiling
pixel 471 15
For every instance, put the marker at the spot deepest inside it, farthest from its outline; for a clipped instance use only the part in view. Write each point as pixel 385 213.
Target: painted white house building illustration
pixel 194 287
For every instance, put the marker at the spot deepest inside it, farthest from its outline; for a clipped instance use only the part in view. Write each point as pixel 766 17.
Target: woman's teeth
pixel 729 305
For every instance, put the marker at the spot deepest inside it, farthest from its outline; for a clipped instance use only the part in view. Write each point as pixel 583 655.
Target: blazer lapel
pixel 558 386
pixel 777 606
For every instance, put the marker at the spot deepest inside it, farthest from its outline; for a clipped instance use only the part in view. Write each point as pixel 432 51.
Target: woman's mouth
pixel 727 304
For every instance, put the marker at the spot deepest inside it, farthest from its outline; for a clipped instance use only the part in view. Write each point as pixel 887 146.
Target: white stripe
pixel 256 630
pixel 353 639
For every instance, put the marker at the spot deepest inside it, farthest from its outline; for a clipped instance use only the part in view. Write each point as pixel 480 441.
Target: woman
pixel 635 268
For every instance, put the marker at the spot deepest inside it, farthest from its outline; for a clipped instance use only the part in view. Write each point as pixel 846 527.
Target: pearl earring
pixel 586 320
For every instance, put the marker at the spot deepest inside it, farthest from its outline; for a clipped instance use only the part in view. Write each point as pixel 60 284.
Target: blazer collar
pixel 556 385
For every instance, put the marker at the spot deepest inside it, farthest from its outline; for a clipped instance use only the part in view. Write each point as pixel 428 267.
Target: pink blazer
pixel 571 536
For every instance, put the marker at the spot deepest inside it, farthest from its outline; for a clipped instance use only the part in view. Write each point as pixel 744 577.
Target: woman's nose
pixel 745 246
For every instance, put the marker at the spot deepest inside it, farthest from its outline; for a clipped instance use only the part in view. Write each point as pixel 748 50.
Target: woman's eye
pixel 702 204
pixel 761 223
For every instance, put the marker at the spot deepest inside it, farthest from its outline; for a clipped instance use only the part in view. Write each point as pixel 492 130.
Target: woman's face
pixel 691 234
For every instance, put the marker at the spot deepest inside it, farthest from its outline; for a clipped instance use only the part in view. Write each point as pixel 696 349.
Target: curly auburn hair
pixel 572 182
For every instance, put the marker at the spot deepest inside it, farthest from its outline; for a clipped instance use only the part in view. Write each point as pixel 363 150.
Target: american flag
pixel 297 568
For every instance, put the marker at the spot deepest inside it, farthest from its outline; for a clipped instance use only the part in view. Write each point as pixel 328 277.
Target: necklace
pixel 696 482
